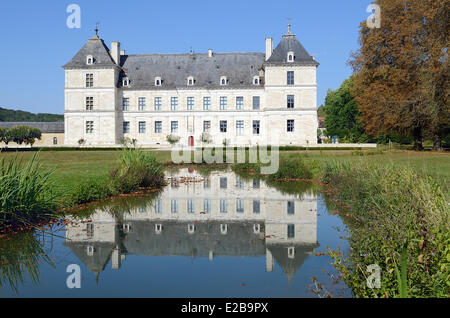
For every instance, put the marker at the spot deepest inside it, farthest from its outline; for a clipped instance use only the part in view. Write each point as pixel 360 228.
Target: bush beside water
pixel 394 211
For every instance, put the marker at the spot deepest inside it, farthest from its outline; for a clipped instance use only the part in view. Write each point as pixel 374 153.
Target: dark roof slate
pixel 44 127
pixel 289 43
pixel 174 69
pixel 99 51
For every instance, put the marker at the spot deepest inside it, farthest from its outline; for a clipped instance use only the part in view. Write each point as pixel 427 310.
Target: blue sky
pixel 35 41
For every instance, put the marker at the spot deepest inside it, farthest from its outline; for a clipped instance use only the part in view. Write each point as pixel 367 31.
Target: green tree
pixel 342 115
pixel 25 134
pixel 5 135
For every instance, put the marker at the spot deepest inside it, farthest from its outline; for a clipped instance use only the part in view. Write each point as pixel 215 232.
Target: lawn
pixel 73 167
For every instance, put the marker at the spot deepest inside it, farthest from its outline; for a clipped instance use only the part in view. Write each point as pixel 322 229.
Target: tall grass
pixel 392 208
pixel 26 191
pixel 136 168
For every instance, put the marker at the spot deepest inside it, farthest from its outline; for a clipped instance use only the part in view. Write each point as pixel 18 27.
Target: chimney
pixel 210 53
pixel 115 52
pixel 269 48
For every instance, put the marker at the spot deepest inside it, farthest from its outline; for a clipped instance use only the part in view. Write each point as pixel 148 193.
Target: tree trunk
pixel 417 134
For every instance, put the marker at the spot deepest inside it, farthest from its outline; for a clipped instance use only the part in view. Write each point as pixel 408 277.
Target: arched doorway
pixel 191 141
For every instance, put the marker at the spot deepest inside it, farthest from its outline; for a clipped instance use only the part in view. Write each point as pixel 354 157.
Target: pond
pixel 213 234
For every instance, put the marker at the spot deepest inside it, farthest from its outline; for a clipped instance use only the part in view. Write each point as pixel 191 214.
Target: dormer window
pixel 89 60
pixel 223 81
pixel 158 81
pixel 126 81
pixel 256 80
pixel 290 57
pixel 190 81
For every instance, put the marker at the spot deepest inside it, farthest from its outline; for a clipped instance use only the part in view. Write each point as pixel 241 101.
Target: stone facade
pixel 240 99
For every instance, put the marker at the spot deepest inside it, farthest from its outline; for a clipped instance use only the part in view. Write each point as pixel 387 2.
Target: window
pixel 126 104
pixel 223 80
pixel 223 183
pixel 89 103
pixel 223 103
pixel 256 126
pixel 291 230
pixel 291 208
pixel 256 206
pixel 89 80
pixel 90 230
pixel 206 103
pixel 190 103
pixel 158 103
pixel 239 182
pixel 290 57
pixel 206 126
pixel 55 141
pixel 141 103
pixel 290 101
pixel 126 127
pixel 174 103
pixel 223 126
pixel 256 183
pixel 158 206
pixel 174 127
pixel 290 125
pixel 191 206
pixel 207 206
pixel 239 206
pixel 290 78
pixel 89 127
pixel 142 127
pixel 239 127
pixel 239 103
pixel 207 183
pixel 190 81
pixel 256 80
pixel 223 206
pixel 89 60
pixel 256 102
pixel 158 127
pixel 125 82
pixel 158 81
pixel 174 206
pixel 223 229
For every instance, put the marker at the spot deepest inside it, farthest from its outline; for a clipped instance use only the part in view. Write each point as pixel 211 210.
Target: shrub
pixel 292 168
pixel 90 191
pixel 172 139
pixel 136 169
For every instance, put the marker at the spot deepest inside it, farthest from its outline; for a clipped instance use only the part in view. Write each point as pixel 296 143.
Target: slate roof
pixel 174 69
pixel 44 127
pixel 99 51
pixel 289 43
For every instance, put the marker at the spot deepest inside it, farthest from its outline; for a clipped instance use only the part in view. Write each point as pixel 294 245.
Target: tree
pixel 25 134
pixel 342 115
pixel 5 136
pixel 396 84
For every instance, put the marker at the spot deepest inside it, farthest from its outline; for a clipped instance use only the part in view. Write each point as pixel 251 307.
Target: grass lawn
pixel 73 167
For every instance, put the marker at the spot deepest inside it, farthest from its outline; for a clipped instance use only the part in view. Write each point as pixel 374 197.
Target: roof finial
pixel 289 29
pixel 96 29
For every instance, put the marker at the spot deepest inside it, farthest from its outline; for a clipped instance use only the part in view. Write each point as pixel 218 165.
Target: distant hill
pixel 8 115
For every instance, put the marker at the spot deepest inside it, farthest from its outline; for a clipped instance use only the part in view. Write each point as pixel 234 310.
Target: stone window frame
pixel 90 60
pixel 158 127
pixel 158 103
pixel 142 127
pixel 190 103
pixel 207 103
pixel 256 80
pixel 240 126
pixel 223 81
pixel 223 126
pixel 89 80
pixel 290 125
pixel 89 127
pixel 125 103
pixel 125 82
pixel 290 78
pixel 206 126
pixel 256 127
pixel 256 102
pixel 190 81
pixel 239 102
pixel 89 103
pixel 174 127
pixel 290 101
pixel 223 102
pixel 174 103
pixel 158 81
pixel 126 127
pixel 142 103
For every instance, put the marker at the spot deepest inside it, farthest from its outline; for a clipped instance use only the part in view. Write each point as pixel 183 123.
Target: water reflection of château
pixel 218 215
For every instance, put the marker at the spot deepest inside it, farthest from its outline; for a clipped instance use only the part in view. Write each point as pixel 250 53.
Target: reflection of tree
pixel 19 255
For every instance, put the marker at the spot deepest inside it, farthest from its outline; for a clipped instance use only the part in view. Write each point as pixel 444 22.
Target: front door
pixel 191 141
